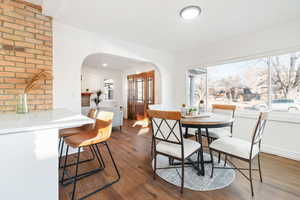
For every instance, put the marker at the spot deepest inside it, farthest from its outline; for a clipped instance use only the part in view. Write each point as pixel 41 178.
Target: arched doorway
pixel 109 73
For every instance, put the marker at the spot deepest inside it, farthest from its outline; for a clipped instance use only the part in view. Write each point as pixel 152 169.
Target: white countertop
pixel 32 121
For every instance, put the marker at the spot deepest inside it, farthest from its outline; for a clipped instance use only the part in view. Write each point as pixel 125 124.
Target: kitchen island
pixel 29 152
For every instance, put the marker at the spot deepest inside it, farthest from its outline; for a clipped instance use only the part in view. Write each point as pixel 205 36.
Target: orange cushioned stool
pixel 63 133
pixel 91 138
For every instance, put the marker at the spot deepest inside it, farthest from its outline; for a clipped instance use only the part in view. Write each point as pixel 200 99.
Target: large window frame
pixel 280 116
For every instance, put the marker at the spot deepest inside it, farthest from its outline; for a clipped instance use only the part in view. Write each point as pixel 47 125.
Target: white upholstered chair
pixel 168 139
pixel 241 149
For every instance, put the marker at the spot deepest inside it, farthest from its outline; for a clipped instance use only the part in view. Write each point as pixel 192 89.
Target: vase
pixel 22 106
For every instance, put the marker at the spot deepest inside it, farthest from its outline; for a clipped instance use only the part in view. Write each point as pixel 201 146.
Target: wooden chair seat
pixel 86 138
pixel 70 131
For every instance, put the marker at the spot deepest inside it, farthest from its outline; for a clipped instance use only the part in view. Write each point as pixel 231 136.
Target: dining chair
pixel 168 140
pixel 63 133
pixel 91 138
pixel 215 133
pixel 242 149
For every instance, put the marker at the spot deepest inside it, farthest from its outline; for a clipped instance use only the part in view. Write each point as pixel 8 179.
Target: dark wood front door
pixel 140 94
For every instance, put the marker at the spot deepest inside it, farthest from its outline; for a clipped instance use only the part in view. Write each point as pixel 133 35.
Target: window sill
pixel 284 117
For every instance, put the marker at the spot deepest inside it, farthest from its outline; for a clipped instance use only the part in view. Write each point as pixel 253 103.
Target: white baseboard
pixel 281 152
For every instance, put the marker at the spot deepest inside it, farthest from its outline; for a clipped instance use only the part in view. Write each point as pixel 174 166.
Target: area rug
pixel 221 179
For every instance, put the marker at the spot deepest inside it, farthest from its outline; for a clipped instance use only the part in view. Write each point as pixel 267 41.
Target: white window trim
pixel 283 117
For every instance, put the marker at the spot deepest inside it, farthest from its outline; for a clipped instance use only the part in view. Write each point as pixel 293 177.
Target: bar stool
pixel 91 138
pixel 63 133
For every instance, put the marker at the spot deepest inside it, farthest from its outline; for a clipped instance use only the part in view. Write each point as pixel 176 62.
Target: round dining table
pixel 205 121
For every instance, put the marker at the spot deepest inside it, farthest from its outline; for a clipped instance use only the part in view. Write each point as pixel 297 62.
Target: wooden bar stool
pixel 63 133
pixel 91 138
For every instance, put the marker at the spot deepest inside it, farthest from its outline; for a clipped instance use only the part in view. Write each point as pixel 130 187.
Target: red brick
pixel 31 40
pixel 7 86
pixel 24 44
pixel 14 58
pixel 26 55
pixel 5 30
pixel 25 34
pixel 6 97
pixel 34 61
pixel 13 37
pixel 13 26
pixel 14 80
pixel 6 63
pixel 14 69
pixel 7 74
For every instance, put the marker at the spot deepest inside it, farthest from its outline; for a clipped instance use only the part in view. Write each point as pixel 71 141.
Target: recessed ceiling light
pixel 104 64
pixel 190 12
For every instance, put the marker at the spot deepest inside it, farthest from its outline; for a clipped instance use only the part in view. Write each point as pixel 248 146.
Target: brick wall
pixel 25 49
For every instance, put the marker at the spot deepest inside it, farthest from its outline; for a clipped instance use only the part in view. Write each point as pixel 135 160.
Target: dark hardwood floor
pixel 131 150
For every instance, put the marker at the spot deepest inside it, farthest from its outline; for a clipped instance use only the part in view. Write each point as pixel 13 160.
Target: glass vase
pixel 22 106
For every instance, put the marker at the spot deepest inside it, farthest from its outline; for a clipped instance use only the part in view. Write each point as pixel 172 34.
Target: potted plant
pixel 98 98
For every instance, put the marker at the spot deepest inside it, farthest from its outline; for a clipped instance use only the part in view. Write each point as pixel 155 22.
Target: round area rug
pixel 221 179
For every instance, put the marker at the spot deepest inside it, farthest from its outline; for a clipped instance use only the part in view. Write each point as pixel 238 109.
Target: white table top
pixel 32 121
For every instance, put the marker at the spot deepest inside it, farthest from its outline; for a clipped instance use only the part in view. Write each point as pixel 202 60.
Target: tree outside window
pixel 259 84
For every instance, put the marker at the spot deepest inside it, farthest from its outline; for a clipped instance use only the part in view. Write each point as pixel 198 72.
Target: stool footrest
pixel 80 162
pixel 80 176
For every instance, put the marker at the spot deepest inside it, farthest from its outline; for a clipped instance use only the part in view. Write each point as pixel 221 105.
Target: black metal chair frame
pixel 256 139
pixel 73 179
pixel 178 142
pixel 61 148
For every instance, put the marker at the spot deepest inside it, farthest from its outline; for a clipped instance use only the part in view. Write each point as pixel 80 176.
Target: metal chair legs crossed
pixel 78 176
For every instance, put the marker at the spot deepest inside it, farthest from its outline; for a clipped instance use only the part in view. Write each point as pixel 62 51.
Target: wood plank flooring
pixel 131 150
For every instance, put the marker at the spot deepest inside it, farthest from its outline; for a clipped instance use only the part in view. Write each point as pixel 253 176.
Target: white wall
pixel 93 79
pixel 72 45
pixel 282 132
pixel 137 70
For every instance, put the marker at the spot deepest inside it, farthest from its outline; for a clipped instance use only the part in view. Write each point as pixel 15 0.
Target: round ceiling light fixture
pixel 190 12
pixel 104 64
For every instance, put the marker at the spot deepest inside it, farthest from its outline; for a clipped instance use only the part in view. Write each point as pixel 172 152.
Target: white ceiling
pixel 156 23
pixel 112 61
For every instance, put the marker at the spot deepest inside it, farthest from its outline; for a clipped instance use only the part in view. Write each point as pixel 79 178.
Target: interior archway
pixel 100 67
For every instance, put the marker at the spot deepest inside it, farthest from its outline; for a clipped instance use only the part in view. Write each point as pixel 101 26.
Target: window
pixel 108 89
pixel 265 83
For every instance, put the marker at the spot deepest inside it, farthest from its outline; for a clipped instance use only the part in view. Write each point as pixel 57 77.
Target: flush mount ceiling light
pixel 104 64
pixel 190 12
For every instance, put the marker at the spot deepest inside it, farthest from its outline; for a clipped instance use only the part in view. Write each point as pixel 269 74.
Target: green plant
pixel 98 99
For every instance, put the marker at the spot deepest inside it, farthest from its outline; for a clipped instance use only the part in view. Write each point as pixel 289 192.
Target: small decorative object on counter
pixel 183 110
pixel 201 107
pixel 192 111
pixel 22 107
pixel 34 83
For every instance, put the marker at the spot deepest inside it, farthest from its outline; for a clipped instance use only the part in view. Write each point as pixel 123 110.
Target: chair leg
pixel 259 168
pixel 65 164
pixel 99 153
pixel 182 175
pixel 250 177
pixel 76 173
pixel 93 149
pixel 219 157
pixel 59 143
pixel 112 159
pixel 212 163
pixel 201 152
pixel 225 163
pixel 109 184
pixel 61 151
pixel 152 147
pixel 154 171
